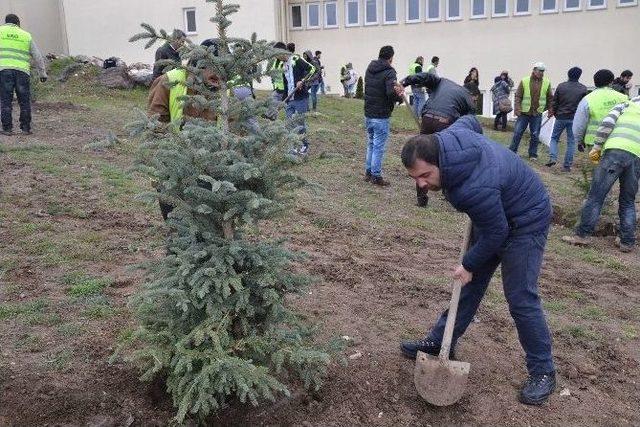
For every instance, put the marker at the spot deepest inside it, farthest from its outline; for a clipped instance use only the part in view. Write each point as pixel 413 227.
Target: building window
pixel 370 12
pixel 413 11
pixel 453 10
pixel 330 15
pixel 522 7
pixel 390 11
pixel 572 5
pixel 313 15
pixel 190 20
pixel 548 6
pixel 478 9
pixel 625 3
pixel 500 8
pixel 433 10
pixel 352 12
pixel 597 4
pixel 296 16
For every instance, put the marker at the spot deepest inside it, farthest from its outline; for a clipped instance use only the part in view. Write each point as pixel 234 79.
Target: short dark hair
pixel 318 53
pixel 626 73
pixel 423 147
pixel 435 59
pixel 12 19
pixel 386 52
pixel 291 47
pixel 280 45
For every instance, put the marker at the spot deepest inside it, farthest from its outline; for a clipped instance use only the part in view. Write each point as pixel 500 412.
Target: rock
pixel 356 355
pixel 141 77
pixel 116 78
pixel 565 392
pixel 83 59
pixel 101 421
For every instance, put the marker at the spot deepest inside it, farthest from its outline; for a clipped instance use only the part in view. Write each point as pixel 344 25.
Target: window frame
pixel 384 13
pixel 500 15
pixel 346 13
pixel 426 11
pixel 315 27
pixel 186 20
pixel 571 9
pixel 630 4
pixel 604 5
pixel 484 10
pixel 454 18
pixel 364 12
pixel 302 17
pixel 544 11
pixel 325 15
pixel 406 15
pixel 527 13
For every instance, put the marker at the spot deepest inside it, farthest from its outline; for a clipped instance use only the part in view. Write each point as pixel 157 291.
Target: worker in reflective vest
pixel 417 91
pixel 532 98
pixel 17 48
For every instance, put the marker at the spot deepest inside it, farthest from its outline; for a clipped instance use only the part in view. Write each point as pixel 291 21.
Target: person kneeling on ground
pixel 510 210
pixel 618 137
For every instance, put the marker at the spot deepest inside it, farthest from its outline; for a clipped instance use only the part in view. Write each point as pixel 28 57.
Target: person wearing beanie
pixel 564 104
pixel 594 107
pixel 533 96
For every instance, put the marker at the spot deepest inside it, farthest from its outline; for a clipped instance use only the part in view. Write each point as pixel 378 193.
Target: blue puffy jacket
pixel 500 193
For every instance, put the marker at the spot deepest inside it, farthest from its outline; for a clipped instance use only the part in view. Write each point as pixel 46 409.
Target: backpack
pixel 109 63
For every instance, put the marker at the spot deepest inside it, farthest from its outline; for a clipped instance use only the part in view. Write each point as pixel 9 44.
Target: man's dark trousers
pixel 521 259
pixel 15 81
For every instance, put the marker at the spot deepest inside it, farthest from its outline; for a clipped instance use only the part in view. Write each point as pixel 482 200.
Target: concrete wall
pixel 103 28
pixel 42 18
pixel 591 39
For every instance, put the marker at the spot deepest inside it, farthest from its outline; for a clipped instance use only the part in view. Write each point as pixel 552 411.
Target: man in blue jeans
pixel 297 72
pixel 381 92
pixel 532 97
pixel 510 210
pixel 618 137
pixel 565 102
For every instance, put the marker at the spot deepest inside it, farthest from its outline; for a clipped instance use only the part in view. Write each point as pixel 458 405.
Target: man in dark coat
pixel 510 210
pixel 446 103
pixel 168 51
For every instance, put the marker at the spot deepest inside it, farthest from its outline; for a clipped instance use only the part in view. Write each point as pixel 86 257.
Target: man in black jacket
pixel 381 92
pixel 447 102
pixel 168 51
pixel 621 84
pixel 297 72
pixel 565 102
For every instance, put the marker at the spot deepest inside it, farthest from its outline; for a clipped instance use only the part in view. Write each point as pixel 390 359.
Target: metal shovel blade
pixel 440 382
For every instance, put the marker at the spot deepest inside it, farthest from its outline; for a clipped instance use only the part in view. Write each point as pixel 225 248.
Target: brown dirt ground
pixel 380 281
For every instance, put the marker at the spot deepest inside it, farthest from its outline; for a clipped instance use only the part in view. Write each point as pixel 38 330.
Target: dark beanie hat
pixel 603 78
pixel 574 73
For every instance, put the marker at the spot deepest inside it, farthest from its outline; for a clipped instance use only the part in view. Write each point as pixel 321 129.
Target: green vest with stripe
pixel 526 95
pixel 177 88
pixel 626 134
pixel 15 48
pixel 413 67
pixel 600 102
pixel 430 68
pixel 278 80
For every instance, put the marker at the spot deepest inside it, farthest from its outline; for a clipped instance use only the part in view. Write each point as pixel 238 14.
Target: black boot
pixel 422 197
pixel 537 388
pixel 410 348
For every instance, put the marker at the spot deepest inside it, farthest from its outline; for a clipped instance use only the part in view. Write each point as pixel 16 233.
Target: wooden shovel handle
pixel 455 298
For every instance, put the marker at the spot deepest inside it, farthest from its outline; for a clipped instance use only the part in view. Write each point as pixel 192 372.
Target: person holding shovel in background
pixel 510 211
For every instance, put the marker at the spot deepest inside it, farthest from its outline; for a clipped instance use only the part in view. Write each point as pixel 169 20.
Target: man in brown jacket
pixel 529 106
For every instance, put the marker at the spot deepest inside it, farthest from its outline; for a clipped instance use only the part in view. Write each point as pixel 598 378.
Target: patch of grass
pixel 578 296
pixel 98 311
pixel 42 318
pixel 630 332
pixel 31 343
pixel 70 329
pixel 592 313
pixel 82 285
pixel 322 222
pixel 555 306
pixel 24 310
pixel 580 333
pixel 59 361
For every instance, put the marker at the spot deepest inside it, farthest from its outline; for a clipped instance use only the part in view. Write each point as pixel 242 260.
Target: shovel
pixel 441 381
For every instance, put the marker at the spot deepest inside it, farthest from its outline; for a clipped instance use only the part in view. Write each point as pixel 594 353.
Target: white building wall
pixel 591 39
pixel 42 18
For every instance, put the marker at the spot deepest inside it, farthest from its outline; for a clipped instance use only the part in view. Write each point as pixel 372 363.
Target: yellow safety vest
pixel 15 48
pixel 626 134
pixel 177 79
pixel 413 67
pixel 600 102
pixel 278 80
pixel 526 95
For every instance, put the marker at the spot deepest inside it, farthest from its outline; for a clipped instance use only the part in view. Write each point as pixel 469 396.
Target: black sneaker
pixel 379 181
pixel 537 388
pixel 367 176
pixel 550 163
pixel 410 348
pixel 422 197
pixel 27 132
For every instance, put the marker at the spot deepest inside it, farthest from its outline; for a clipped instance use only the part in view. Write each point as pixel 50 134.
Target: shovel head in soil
pixel 441 382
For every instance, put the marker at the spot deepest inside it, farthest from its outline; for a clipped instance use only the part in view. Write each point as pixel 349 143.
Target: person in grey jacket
pixel 500 94
pixel 565 102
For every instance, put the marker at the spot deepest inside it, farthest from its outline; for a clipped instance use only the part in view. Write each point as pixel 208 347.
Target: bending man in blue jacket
pixel 511 212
